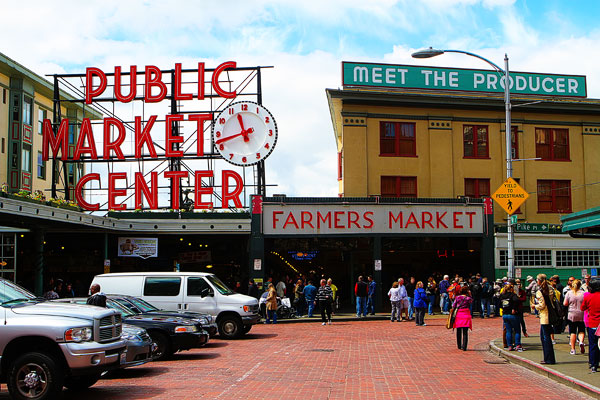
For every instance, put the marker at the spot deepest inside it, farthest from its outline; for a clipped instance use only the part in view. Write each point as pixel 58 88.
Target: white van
pixel 188 291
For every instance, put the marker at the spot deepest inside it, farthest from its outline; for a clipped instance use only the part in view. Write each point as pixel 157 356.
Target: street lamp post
pixel 430 52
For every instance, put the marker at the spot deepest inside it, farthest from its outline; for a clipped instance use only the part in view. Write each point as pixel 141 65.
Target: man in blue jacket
pixel 444 297
pixel 310 291
pixel 371 296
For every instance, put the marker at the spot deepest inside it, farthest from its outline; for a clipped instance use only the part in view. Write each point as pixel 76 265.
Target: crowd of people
pixel 58 289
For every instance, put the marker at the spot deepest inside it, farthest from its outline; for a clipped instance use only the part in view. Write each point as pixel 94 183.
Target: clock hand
pixel 242 133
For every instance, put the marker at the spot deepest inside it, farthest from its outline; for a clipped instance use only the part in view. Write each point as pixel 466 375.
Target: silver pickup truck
pixel 45 346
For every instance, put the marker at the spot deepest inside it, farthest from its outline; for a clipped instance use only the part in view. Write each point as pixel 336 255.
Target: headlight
pixel 247 308
pixel 78 335
pixel 185 328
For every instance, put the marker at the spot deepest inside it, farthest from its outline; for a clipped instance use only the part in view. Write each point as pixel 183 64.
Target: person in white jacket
pixel 394 295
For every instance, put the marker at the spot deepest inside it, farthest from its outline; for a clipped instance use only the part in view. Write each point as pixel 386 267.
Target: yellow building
pixel 406 131
pixel 26 100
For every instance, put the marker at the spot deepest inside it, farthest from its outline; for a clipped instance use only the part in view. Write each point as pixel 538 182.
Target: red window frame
pixel 471 147
pixel 391 137
pixel 552 144
pixel 479 187
pixel 339 166
pixel 554 196
pixel 399 185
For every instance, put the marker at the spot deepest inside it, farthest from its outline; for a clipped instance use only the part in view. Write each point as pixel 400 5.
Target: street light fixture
pixel 431 52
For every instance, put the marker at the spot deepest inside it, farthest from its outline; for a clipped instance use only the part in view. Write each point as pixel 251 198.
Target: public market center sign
pixel 457 79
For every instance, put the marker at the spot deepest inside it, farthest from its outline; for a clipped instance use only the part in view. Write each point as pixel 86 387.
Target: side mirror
pixel 206 292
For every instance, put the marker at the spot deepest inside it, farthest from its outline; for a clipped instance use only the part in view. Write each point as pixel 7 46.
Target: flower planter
pixel 214 215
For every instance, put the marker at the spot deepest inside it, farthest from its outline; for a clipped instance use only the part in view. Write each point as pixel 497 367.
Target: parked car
pixel 169 334
pixel 188 291
pixel 140 347
pixel 140 306
pixel 45 345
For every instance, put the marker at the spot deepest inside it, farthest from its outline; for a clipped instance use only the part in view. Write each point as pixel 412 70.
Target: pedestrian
pixel 444 298
pixel 50 294
pixel 252 289
pixel 325 299
pixel 371 296
pixel 395 300
pixel 475 289
pixel 410 295
pixel 532 288
pixel 310 291
pixel 586 282
pixel 496 298
pixel 299 302
pixel 420 303
pixel 574 300
pixel 487 291
pixel 97 298
pixel 334 291
pixel 591 304
pixel 271 304
pixel 280 288
pixel 522 295
pixel 361 290
pixel 69 292
pixel 544 298
pixel 510 317
pixel 404 301
pixel 463 321
pixel 430 291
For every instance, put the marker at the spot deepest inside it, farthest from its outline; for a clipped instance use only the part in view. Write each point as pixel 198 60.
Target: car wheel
pixel 163 346
pixel 230 327
pixel 81 382
pixel 34 376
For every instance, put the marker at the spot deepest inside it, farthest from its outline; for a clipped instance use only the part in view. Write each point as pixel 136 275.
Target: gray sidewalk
pixel 571 370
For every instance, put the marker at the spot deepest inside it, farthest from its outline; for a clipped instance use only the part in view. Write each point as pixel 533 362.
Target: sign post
pixel 510 196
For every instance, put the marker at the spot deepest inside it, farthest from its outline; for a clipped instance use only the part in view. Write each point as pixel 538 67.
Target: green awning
pixel 582 222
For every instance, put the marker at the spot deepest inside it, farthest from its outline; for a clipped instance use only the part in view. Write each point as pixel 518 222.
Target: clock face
pixel 244 133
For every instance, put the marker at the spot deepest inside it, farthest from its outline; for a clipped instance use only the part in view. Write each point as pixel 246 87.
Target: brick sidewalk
pixel 362 359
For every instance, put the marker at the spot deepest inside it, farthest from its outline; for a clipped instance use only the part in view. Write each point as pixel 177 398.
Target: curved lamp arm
pixel 431 52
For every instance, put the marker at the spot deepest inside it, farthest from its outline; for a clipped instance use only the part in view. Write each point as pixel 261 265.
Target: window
pixel 41 118
pixel 477 188
pixel 72 133
pixel 166 286
pixel 554 196
pixel 397 139
pixel 475 141
pixel 3 96
pixel 578 258
pixel 26 158
pixel 340 159
pixel 41 166
pixel 27 110
pixel 399 186
pixel 514 138
pixel 197 287
pixel 71 173
pixel 528 258
pixel 552 144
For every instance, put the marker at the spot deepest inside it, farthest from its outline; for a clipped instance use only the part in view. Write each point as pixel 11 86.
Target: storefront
pixel 386 238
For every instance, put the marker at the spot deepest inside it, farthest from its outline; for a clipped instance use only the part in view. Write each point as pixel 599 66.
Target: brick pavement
pixel 366 359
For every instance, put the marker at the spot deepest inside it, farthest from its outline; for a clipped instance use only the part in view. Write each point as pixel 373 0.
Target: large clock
pixel 244 133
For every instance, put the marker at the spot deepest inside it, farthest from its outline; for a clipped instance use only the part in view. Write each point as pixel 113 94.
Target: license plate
pixel 123 357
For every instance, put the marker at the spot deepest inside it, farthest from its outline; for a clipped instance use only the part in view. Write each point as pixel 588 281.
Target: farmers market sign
pixel 469 80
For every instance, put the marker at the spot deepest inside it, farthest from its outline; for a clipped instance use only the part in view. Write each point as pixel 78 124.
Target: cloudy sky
pixel 305 42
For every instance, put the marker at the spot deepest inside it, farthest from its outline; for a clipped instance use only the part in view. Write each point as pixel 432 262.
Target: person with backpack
pixel 475 289
pixel 544 299
pixel 510 317
pixel 430 291
pixel 420 303
pixel 487 291
pixel 496 297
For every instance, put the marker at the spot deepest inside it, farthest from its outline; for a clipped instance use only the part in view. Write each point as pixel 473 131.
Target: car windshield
pixel 120 308
pixel 142 304
pixel 13 293
pixel 221 287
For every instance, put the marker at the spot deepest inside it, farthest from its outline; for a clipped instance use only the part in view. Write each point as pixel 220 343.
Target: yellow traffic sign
pixel 510 196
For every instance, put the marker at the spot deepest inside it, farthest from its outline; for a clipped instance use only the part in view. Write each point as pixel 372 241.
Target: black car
pixel 141 306
pixel 169 333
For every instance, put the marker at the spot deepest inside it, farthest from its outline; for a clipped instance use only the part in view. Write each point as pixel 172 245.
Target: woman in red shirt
pixel 591 304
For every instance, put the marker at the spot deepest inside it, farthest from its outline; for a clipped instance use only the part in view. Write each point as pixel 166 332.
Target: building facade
pixel 437 143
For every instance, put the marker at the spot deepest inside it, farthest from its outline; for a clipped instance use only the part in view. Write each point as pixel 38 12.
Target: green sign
pixel 514 219
pixel 531 228
pixel 470 80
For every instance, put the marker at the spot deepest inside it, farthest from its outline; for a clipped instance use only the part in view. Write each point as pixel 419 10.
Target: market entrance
pixel 341 259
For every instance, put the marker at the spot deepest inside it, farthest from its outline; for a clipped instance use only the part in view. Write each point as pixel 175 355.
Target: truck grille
pixel 109 328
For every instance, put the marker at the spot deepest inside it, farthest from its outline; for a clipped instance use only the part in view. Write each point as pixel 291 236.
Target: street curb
pixel 559 377
pixel 334 319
